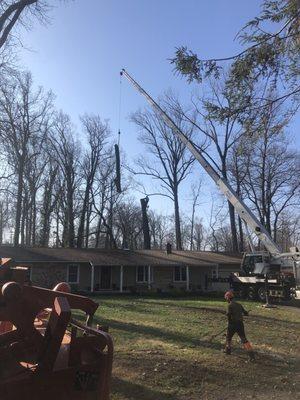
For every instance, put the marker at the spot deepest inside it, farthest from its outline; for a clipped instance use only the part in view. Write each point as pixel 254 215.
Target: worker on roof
pixel 235 313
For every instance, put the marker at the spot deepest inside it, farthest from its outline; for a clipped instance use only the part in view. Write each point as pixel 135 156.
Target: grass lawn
pixel 164 350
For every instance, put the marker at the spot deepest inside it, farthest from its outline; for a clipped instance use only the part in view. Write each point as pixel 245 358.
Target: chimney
pixel 169 248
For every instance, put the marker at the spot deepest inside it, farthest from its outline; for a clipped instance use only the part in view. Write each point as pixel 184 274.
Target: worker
pixel 235 314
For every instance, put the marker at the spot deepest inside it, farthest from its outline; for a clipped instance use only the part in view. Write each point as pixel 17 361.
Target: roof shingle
pixel 118 257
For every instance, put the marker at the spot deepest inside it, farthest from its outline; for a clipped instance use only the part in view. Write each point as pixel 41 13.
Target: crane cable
pixel 117 179
pixel 120 110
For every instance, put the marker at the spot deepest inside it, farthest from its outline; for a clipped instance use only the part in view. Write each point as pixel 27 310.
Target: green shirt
pixel 235 312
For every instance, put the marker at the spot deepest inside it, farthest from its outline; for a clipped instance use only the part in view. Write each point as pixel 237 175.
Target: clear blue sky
pixel 79 55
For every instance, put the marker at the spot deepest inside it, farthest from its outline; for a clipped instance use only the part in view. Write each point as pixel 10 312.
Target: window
pixel 215 273
pixel 180 274
pixel 142 274
pixel 73 273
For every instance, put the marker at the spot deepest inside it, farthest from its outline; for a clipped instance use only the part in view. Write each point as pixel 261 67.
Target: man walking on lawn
pixel 235 314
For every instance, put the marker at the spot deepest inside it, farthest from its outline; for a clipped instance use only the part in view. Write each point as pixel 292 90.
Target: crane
pixel 255 263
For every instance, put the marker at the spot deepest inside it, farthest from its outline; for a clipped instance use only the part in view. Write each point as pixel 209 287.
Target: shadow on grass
pixel 192 308
pixel 295 303
pixel 191 377
pixel 153 332
pixel 219 311
pixel 138 392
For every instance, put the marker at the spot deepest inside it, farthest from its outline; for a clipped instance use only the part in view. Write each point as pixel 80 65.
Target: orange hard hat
pixel 229 295
pixel 62 287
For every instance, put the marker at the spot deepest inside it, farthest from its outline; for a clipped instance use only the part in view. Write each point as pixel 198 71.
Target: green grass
pixel 164 350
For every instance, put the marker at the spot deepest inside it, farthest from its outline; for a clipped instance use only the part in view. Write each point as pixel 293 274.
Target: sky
pixel 80 53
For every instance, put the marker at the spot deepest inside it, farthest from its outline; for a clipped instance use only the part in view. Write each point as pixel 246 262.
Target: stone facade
pixel 93 270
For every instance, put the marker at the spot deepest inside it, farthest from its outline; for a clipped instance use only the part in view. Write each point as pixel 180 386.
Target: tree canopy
pixel 271 51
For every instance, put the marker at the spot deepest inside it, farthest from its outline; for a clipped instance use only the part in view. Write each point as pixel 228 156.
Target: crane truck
pixel 269 272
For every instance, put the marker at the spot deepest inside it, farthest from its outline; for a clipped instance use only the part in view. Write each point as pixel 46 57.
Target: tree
pixel 12 12
pixel 171 162
pixel 159 228
pixel 4 217
pixel 105 197
pixel 97 134
pixel 272 41
pixel 34 171
pixel 272 177
pixel 195 196
pixel 221 128
pixel 67 152
pixel 24 125
pixel 198 235
pixel 238 173
pixel 128 222
pixel 288 229
pixel 50 198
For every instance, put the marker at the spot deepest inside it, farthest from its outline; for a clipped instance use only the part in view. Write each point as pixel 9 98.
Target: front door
pixel 105 278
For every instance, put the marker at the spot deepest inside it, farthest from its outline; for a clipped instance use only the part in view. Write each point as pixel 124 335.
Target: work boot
pixel 227 351
pixel 251 356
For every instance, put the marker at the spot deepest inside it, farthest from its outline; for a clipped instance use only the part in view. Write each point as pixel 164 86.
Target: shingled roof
pixel 118 257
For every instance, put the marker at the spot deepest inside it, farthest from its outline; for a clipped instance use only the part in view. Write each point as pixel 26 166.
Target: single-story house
pixel 97 270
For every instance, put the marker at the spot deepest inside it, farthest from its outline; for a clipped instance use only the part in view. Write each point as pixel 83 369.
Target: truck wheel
pixel 261 293
pixel 252 293
pixel 287 295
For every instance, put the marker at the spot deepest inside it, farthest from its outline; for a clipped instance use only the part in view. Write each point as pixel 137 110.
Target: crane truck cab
pixel 261 272
pixel 256 263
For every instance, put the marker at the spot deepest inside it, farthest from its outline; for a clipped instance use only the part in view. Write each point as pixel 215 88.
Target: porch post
pixel 92 276
pixel 121 279
pixel 149 277
pixel 187 278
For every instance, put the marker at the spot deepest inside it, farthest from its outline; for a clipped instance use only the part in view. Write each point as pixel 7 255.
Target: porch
pixel 124 279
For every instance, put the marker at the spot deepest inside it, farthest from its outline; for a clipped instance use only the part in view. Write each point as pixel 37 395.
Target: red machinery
pixel 44 352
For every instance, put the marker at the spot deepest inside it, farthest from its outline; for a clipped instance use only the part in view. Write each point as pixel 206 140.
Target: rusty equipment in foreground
pixel 44 353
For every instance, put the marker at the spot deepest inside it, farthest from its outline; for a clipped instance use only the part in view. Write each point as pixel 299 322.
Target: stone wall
pixel 48 274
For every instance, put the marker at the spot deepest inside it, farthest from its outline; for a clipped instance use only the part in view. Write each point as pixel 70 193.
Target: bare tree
pixel 272 180
pixel 24 118
pixel 288 229
pixel 195 197
pixel 4 217
pixel 199 232
pixel 159 228
pixel 16 13
pixel 170 161
pixel 104 198
pixel 221 127
pixel 50 198
pixel 238 173
pixel 67 151
pixel 128 221
pixel 97 134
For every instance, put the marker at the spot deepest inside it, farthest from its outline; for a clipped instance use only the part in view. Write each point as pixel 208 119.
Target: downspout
pixel 121 279
pixel 187 278
pixel 92 276
pixel 149 277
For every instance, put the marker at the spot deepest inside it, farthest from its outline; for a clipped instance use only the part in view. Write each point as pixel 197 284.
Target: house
pixel 97 270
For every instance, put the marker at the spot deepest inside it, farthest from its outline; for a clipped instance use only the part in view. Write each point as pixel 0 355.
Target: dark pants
pixel 235 327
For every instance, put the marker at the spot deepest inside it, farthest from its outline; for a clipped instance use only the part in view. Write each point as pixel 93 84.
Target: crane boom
pixel 241 208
